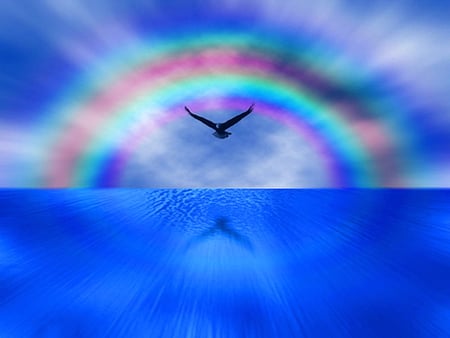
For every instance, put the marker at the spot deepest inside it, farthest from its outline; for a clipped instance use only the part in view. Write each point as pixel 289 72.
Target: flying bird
pixel 220 128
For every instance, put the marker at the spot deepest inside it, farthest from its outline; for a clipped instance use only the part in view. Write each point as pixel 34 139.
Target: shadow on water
pixel 222 228
pixel 231 263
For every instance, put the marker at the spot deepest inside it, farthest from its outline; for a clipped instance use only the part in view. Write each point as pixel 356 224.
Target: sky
pixel 346 94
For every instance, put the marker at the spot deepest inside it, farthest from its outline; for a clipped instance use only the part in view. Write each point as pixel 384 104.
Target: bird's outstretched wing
pixel 201 119
pixel 237 118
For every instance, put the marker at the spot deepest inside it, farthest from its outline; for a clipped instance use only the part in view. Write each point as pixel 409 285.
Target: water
pixel 224 263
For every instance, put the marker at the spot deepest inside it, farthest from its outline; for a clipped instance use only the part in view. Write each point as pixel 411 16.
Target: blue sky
pixel 45 46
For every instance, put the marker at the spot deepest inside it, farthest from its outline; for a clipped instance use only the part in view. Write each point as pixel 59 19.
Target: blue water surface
pixel 224 263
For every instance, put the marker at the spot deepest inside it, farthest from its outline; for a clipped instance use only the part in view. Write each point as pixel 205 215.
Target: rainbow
pixel 107 112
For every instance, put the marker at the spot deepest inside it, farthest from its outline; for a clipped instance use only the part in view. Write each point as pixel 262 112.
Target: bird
pixel 220 129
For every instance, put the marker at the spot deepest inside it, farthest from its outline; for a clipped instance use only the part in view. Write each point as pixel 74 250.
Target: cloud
pixel 19 157
pixel 258 154
pixel 389 42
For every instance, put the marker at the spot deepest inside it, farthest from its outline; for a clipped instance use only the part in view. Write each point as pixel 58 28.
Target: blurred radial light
pixel 224 263
pixel 346 94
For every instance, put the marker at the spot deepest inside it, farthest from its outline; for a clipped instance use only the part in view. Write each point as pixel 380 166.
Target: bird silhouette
pixel 220 128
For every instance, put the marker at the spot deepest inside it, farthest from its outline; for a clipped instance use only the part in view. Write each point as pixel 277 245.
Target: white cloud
pixel 19 158
pixel 185 154
pixel 384 39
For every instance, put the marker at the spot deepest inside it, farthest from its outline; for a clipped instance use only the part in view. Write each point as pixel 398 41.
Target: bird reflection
pixel 221 227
